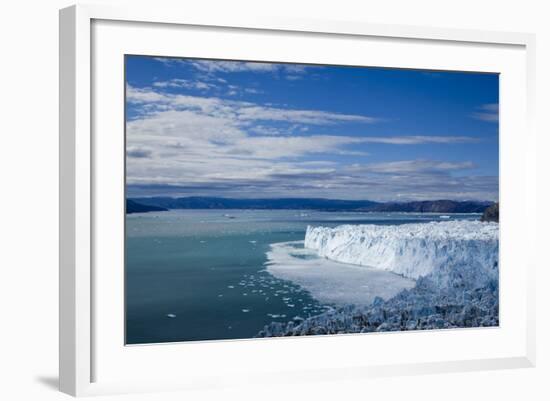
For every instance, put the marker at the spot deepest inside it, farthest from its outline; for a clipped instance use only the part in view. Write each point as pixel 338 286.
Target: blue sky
pixel 244 129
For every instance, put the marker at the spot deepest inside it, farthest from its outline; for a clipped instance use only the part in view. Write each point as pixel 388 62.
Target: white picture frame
pixel 82 342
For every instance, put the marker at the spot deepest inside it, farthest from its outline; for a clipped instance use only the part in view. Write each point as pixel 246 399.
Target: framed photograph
pixel 289 199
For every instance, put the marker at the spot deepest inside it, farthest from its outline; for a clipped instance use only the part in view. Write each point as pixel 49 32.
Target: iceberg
pixel 436 249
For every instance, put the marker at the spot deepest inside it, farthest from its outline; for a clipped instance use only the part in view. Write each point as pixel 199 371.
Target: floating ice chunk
pixel 230 286
pixel 170 315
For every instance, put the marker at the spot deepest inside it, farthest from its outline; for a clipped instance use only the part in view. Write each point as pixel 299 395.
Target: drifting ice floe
pixel 332 282
pixel 413 250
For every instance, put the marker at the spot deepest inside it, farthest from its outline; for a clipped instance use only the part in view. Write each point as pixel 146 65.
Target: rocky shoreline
pixel 491 214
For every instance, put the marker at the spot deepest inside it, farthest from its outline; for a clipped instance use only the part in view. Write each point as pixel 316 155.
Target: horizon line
pixel 309 198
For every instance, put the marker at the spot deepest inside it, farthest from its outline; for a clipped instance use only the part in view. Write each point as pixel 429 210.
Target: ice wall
pixel 441 250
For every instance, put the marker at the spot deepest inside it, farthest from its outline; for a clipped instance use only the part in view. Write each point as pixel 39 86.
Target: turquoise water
pixel 200 274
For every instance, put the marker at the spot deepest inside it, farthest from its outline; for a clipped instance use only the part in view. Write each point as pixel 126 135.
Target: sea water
pixel 224 274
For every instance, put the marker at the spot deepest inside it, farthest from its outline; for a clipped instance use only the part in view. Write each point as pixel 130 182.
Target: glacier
pixel 414 250
pixel 454 265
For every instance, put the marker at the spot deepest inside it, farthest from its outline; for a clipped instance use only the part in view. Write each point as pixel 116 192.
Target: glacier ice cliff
pixel 414 250
pixel 455 264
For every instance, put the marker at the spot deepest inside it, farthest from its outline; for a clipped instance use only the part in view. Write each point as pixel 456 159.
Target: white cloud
pixel 252 91
pixel 290 71
pixel 417 166
pixel 299 116
pixel 488 112
pixel 233 66
pixel 248 177
pixel 183 125
pixel 244 111
pixel 184 83
pixel 217 86
pixel 198 145
pixel 143 96
pixel 213 66
pixel 420 139
pixel 274 131
pixel 290 146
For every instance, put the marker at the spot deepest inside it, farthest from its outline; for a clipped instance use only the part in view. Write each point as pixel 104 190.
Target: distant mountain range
pixel 140 205
pixel 437 206
pixel 195 202
pixel 135 207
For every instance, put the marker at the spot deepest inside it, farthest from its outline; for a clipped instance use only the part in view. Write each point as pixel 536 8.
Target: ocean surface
pixel 224 274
